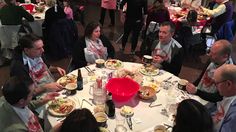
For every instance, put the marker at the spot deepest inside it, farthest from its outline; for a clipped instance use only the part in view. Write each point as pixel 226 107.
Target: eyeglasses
pixel 217 83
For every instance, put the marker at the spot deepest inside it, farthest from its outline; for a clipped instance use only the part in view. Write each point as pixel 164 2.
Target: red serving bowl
pixel 122 89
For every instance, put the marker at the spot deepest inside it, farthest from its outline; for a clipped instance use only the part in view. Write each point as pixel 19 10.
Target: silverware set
pixel 129 122
pixel 90 72
pixel 84 100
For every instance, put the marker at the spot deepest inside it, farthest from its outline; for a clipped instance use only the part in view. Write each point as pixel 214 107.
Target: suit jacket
pixel 10 121
pixel 228 124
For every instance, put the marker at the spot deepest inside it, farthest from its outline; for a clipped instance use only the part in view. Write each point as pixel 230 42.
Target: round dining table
pixel 147 113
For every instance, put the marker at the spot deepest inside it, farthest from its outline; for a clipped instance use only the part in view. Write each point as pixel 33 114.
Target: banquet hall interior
pixel 191 68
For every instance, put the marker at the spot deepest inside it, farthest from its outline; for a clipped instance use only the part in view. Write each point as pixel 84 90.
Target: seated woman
pixel 80 120
pixel 91 46
pixel 192 116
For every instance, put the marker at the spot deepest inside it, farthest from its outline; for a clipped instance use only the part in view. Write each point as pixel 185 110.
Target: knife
pixel 129 122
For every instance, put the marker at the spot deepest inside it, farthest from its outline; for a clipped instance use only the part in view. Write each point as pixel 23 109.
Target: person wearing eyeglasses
pixel 219 54
pixel 224 117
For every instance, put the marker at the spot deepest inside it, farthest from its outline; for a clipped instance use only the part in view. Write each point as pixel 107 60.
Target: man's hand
pixel 50 96
pixel 53 87
pixel 191 88
pixel 61 71
pixel 158 59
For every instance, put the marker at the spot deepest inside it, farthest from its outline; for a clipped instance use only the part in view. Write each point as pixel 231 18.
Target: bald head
pixel 228 72
pixel 224 46
pixel 225 78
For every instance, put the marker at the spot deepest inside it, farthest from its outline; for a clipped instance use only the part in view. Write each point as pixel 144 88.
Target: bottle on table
pixel 79 80
pixel 110 106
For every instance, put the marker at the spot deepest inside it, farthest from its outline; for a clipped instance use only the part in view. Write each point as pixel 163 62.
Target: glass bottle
pixel 79 80
pixel 110 106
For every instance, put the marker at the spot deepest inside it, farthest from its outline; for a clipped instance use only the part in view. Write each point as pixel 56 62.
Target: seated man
pixel 225 117
pixel 28 61
pixel 173 58
pixel 221 14
pixel 15 112
pixel 219 54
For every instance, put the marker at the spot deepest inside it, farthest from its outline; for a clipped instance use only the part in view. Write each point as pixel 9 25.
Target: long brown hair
pixel 157 5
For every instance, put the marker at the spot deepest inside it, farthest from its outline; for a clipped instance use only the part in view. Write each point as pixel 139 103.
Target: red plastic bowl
pixel 122 89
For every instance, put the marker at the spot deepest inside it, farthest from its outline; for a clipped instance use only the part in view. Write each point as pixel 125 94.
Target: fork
pixel 90 72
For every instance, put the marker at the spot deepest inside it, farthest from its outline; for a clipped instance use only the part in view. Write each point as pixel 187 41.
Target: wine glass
pixel 160 53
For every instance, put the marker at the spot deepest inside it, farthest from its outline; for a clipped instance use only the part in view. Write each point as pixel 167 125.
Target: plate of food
pixel 149 71
pixel 67 79
pixel 113 64
pixel 127 111
pixel 61 107
pixel 146 92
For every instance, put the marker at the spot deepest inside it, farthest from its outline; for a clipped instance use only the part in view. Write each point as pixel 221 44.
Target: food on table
pixel 103 129
pixel 99 108
pixel 67 79
pixel 146 92
pixel 160 128
pixel 99 63
pixel 113 64
pixel 71 86
pixel 134 75
pixel 126 111
pixel 61 107
pixel 149 71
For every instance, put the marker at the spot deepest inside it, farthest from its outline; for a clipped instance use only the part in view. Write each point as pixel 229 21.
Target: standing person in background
pixel 11 17
pixel 67 9
pixel 53 14
pixel 221 13
pixel 134 18
pixel 109 5
pixel 157 13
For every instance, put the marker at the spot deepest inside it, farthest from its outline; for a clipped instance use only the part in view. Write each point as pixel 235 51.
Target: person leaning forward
pixel 16 106
pixel 28 60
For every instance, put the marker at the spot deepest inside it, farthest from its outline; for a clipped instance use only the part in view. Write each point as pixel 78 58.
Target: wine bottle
pixel 110 106
pixel 79 80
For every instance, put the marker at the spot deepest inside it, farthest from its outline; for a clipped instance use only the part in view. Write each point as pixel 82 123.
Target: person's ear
pixel 21 102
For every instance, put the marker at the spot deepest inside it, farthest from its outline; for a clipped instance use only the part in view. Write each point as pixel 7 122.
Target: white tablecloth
pixel 144 118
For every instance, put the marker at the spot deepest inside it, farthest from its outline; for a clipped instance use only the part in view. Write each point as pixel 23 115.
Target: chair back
pixel 9 36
